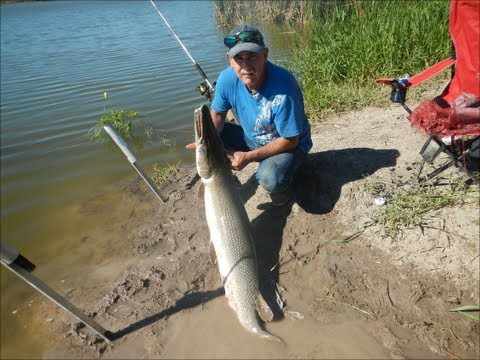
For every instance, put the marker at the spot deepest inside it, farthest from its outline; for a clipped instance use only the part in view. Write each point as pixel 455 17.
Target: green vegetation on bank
pixel 407 208
pixel 135 131
pixel 162 174
pixel 120 120
pixel 418 205
pixel 344 45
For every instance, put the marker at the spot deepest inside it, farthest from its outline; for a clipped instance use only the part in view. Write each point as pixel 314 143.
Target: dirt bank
pixel 373 297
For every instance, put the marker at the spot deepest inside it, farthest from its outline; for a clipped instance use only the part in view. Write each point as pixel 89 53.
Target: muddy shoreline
pixel 373 297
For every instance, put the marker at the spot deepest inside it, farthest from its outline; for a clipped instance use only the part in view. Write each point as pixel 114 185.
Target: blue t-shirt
pixel 276 110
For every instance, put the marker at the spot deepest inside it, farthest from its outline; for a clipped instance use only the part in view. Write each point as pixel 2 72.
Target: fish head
pixel 210 153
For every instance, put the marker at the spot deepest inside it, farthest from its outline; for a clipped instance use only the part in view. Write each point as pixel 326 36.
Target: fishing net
pixel 457 120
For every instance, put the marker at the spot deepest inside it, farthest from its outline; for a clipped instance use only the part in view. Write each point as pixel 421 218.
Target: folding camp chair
pixel 452 119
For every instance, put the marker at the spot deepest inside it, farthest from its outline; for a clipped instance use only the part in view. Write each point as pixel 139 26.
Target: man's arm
pixel 218 119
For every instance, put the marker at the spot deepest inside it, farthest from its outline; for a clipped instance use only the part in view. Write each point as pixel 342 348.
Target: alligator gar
pixel 229 228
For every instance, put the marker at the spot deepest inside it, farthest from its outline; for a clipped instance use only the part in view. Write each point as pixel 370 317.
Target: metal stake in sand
pixel 132 159
pixel 22 267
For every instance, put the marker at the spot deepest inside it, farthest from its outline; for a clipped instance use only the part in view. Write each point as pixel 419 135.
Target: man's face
pixel 250 67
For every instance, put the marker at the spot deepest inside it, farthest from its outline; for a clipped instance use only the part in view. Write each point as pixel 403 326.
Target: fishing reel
pixel 205 90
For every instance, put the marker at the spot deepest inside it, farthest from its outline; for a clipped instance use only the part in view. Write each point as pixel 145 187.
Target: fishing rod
pixel 204 90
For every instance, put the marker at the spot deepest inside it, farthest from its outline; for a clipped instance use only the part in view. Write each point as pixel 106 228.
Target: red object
pixel 423 76
pixel 464 28
pixel 451 114
pixel 455 112
pixel 430 72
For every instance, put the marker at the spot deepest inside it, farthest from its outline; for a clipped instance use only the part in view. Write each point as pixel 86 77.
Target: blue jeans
pixel 275 173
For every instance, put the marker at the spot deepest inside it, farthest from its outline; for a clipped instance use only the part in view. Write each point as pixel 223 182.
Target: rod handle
pixel 10 256
pixel 120 143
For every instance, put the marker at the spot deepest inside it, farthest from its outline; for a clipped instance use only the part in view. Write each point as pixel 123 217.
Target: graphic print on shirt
pixel 264 126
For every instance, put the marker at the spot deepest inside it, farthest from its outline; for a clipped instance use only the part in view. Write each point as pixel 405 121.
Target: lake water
pixel 57 60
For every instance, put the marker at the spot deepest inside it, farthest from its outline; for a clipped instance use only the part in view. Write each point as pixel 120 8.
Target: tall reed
pixel 230 12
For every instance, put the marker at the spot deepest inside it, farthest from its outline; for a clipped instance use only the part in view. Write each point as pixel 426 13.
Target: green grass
pixel 409 207
pixel 131 126
pixel 120 120
pixel 374 187
pixel 467 312
pixel 162 174
pixel 418 206
pixel 338 57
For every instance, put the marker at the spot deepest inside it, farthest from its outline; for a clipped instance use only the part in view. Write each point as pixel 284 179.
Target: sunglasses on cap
pixel 245 36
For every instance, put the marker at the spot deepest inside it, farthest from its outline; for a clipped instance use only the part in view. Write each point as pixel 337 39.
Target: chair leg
pixel 419 170
pixel 440 169
pixel 457 160
pixel 433 147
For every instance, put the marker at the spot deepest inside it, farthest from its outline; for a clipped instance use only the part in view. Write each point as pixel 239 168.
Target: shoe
pixel 281 198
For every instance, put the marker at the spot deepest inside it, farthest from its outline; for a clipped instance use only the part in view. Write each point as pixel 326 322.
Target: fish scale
pixel 229 226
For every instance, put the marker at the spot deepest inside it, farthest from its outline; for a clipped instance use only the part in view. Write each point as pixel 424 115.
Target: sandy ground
pixel 373 297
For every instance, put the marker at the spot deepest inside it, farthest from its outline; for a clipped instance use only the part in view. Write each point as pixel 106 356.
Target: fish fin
pixel 263 310
pixel 294 315
pixel 213 255
pixel 201 191
pixel 271 337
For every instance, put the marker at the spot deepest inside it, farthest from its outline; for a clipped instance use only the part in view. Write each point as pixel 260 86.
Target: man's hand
pixel 191 146
pixel 240 159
